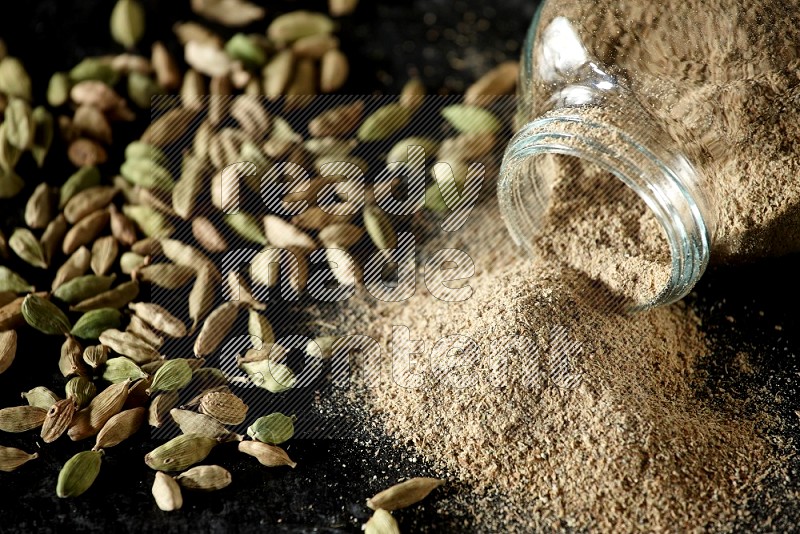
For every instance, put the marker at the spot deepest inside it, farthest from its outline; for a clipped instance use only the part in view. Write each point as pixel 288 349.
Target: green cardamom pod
pixel 129 345
pixel 247 227
pixel 471 119
pixel 44 316
pixel 81 390
pixel 10 182
pixel 180 453
pixel 27 247
pixel 150 222
pixel 142 88
pixel 113 298
pixel 83 178
pixel 11 458
pixel 127 22
pixel 379 227
pixel 14 79
pixel 121 369
pixel 58 89
pixel 93 323
pixel 95 356
pixel 174 374
pixel 78 474
pixel 197 423
pixel 205 478
pixel 381 522
pixel 44 130
pixel 19 123
pixel 141 150
pixel 384 122
pixel 94 69
pixel 274 428
pixel 40 397
pixel 266 374
pixel 11 281
pixel 243 48
pixel 83 287
pixel 147 173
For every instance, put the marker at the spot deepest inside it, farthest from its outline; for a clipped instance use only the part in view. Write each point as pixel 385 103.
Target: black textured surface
pixel 449 43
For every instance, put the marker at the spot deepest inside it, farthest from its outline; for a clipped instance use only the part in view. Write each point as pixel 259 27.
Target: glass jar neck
pixel 610 129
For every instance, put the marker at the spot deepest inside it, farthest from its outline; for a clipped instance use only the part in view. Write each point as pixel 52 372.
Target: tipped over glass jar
pixel 655 137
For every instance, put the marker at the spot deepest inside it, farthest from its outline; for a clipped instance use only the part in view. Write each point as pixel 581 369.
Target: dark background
pixel 749 308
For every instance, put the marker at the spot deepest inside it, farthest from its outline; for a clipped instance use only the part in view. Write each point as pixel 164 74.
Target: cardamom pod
pixel 259 327
pixel 10 182
pixel 277 73
pixel 159 318
pixel 146 151
pixel 160 406
pixel 268 455
pixel 137 394
pixel 339 8
pixel 14 79
pixel 81 390
pixel 104 254
pixel 412 94
pixel 142 89
pixel 197 423
pixel 321 347
pixel 129 345
pixel 149 221
pixel 147 173
pixel 167 493
pixel 404 494
pixel 169 127
pixel 185 255
pixel 189 186
pixel 269 375
pixel 314 46
pixel 297 24
pixel 58 89
pixel 85 231
pixel 11 314
pixel 498 81
pixel 11 281
pixel 120 369
pixel 44 316
pixel 21 418
pixel 130 262
pixel 471 119
pixel 334 70
pixel 303 86
pixel 27 247
pixel 274 428
pixel 174 374
pixel 91 122
pixel 71 362
pixel 40 397
pixel 82 288
pixel 399 152
pixel 282 234
pixel 90 420
pixel 167 73
pixel 205 478
pixel 381 522
pixel 83 151
pixel 75 266
pixel 6 297
pixel 142 330
pixel 8 349
pixel 127 22
pixel 238 289
pixel 244 48
pixel 95 356
pixel 3 245
pixel 379 227
pixel 58 418
pixel 39 208
pixel 122 228
pixel 113 298
pixel 53 236
pixel 88 201
pixel 119 428
pixel 336 122
pixel 216 328
pixel 82 179
pixel 166 275
pixel 93 323
pixel 180 453
pixel 201 298
pixel 225 407
pixel 19 123
pixel 207 235
pixel 11 458
pixel 246 226
pixel 78 474
pixel 43 133
pixel 384 122
pixel 98 94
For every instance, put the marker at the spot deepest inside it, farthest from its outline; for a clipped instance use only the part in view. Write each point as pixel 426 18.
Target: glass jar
pixel 655 136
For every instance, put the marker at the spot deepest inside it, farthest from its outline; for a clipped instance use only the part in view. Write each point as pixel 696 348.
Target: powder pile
pixel 619 442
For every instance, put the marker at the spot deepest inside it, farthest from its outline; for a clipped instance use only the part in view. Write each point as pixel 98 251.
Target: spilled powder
pixel 595 423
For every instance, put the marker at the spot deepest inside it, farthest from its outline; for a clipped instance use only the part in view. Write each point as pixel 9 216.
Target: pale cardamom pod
pixel 11 314
pixel 40 397
pixel 88 201
pixel 193 90
pixel 44 316
pixel 166 275
pixel 498 81
pixel 379 227
pixel 201 298
pixel 90 420
pixel 205 478
pixel 160 406
pixel 277 73
pixel 91 122
pixel 303 86
pixel 19 123
pixel 269 375
pixel 95 356
pixel 169 127
pixel 14 79
pixel 130 262
pixel 180 453
pixel 98 94
pixel 119 428
pixel 82 179
pixel 149 221
pixel 339 121
pixel 129 345
pixel 7 297
pixel 197 423
pixel 189 186
pixel 314 46
pixel 83 151
pixel 216 328
pixel 159 318
pixel 343 267
pixel 58 418
pixel 225 407
pixel 27 247
pixel 167 493
pixel 71 362
pixel 82 288
pixel 334 70
pixel 81 390
pixel 404 494
pixel 104 254
pixel 167 73
pixel 79 473
pixel 207 235
pixel 85 231
pixel 147 173
pixel 75 266
pixel 174 374
pixel 122 228
pixel 53 236
pixel 21 418
pixel 120 369
pixel 143 331
pixel 297 24
pixel 321 347
pixel 11 458
pixel 412 94
pixel 274 428
pixel 339 8
pixel 268 455
pixel 282 234
pixel 259 327
pixel 127 22
pixel 39 209
pixel 186 255
pixel 238 289
pixel 113 298
pixel 381 522
pixel 8 349
pixel 251 115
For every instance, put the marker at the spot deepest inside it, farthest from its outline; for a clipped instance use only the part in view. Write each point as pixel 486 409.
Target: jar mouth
pixel 664 181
